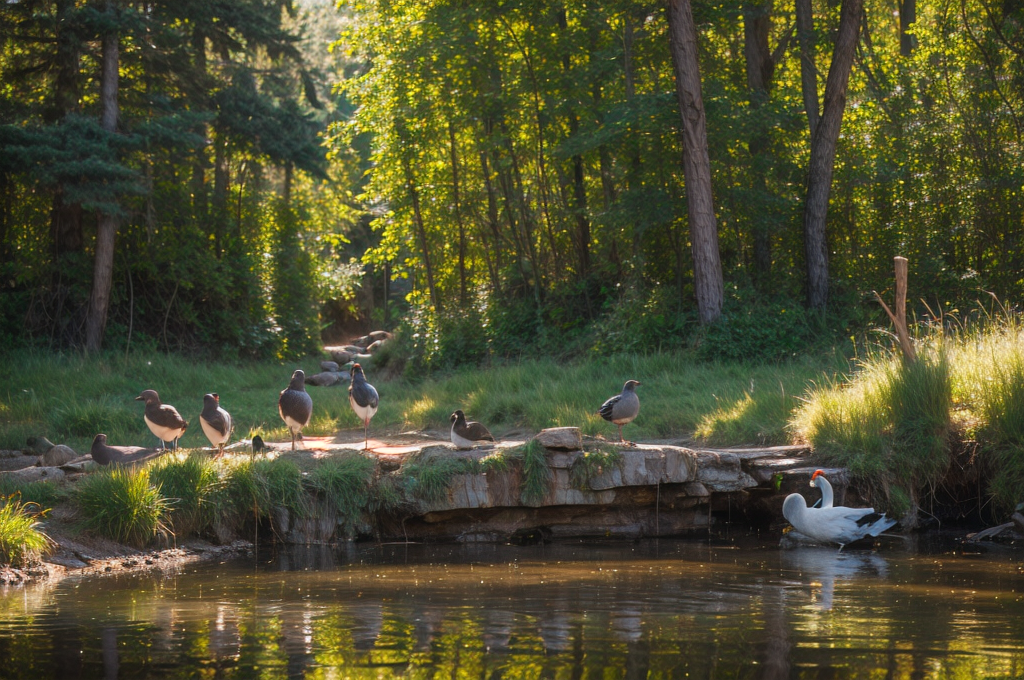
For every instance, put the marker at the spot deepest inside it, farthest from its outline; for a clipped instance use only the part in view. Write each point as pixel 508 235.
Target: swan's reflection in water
pixel 651 610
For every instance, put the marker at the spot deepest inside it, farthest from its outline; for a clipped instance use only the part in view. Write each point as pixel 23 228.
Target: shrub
pixel 258 486
pixel 345 482
pixel 189 484
pixel 768 330
pixel 20 539
pixel 121 504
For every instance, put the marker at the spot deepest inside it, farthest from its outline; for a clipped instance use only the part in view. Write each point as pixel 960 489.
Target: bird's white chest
pixel 364 412
pixel 461 442
pixel 217 438
pixel 167 434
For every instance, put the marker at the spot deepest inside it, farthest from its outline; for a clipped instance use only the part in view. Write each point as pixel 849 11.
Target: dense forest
pixel 251 177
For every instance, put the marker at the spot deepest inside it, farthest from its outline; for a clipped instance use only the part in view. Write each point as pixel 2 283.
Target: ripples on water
pixel 660 609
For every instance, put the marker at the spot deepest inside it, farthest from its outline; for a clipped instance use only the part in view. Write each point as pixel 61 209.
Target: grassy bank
pixel 70 399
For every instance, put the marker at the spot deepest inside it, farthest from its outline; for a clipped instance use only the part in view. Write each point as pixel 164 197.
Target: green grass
pixel 346 483
pixel 257 486
pixel 121 504
pixel 43 494
pixel 190 484
pixel 20 539
pixel 725 403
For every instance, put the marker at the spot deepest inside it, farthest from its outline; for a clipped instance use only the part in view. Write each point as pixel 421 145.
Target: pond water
pixel 659 609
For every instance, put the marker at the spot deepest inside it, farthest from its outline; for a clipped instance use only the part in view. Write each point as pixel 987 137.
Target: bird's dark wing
pixel 165 415
pixel 296 405
pixel 217 421
pixel 475 432
pixel 363 393
pixel 606 408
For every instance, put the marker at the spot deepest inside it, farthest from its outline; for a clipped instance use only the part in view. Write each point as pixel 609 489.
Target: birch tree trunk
pixel 707 265
pixel 823 154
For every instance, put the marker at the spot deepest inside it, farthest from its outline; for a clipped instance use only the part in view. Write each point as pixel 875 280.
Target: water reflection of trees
pixel 801 615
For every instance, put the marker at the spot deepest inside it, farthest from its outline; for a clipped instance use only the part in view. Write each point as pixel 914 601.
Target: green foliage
pixel 430 477
pixel 190 484
pixel 591 464
pixel 535 479
pixel 761 330
pixel 257 486
pixel 20 539
pixel 346 483
pixel 44 494
pixel 121 504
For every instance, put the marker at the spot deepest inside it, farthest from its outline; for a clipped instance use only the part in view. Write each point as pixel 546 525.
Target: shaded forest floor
pixel 69 399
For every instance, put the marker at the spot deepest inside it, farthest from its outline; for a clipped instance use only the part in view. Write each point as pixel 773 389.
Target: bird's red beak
pixel 817 473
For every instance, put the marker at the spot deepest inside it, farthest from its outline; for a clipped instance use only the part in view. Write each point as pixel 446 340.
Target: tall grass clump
pixel 430 478
pixel 257 486
pixel 21 541
pixel 121 504
pixel 988 385
pixel 345 482
pixel 189 484
pixel 888 423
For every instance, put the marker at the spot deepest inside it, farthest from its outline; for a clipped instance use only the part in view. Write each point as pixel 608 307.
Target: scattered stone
pixel 362 357
pixel 567 438
pixel 69 562
pixel 374 346
pixel 57 456
pixel 353 349
pixel 331 366
pixel 325 379
pixel 340 355
pixel 18 463
pixel 362 341
pixel 37 446
pixel 34 474
pixel 380 336
pixel 10 453
pixel 80 464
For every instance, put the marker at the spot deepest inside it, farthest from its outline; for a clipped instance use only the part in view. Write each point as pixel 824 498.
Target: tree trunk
pixel 421 232
pixel 579 191
pixel 908 16
pixel 458 213
pixel 808 73
pixel 106 227
pixel 823 153
pixel 65 218
pixel 707 266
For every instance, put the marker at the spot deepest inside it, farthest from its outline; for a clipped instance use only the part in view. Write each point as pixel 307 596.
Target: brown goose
pixel 163 419
pixel 295 405
pixel 118 455
pixel 216 422
pixel 622 408
pixel 465 435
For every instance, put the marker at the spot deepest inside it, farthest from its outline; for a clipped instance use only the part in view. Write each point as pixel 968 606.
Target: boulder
pixel 362 342
pixel 374 346
pixel 340 355
pixel 362 357
pixel 18 463
pixel 567 438
pixel 37 446
pixel 380 336
pixel 648 467
pixel 57 456
pixel 331 366
pixel 353 349
pixel 722 472
pixel 34 474
pixel 325 379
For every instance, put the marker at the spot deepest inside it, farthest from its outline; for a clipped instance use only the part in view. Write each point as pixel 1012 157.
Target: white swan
pixel 840 524
pixel 818 480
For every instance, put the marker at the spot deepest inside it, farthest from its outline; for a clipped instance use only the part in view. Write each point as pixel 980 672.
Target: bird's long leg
pixel 293 439
pixel 620 435
pixel 366 435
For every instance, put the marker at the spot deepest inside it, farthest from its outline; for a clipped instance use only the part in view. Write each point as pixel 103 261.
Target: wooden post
pixel 899 319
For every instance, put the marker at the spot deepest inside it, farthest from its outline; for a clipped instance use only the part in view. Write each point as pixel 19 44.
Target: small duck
pixel 833 524
pixel 364 400
pixel 465 435
pixel 622 408
pixel 216 422
pixel 163 419
pixel 295 405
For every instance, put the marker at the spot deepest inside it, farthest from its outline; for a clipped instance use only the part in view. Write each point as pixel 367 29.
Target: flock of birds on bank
pixel 824 522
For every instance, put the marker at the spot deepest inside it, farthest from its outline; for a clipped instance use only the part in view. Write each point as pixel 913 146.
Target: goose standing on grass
pixel 295 405
pixel 216 422
pixel 818 481
pixel 163 419
pixel 837 524
pixel 465 435
pixel 364 400
pixel 622 408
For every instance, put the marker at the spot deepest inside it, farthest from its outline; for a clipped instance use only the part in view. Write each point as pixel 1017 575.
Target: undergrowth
pixel 345 482
pixel 121 504
pixel 21 541
pixel 190 484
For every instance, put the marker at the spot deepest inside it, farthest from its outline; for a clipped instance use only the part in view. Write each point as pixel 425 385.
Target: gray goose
pixel 465 435
pixel 216 422
pixel 118 455
pixel 163 419
pixel 622 408
pixel 295 405
pixel 364 400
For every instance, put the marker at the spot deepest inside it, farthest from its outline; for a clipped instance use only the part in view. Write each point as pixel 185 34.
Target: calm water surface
pixel 660 609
